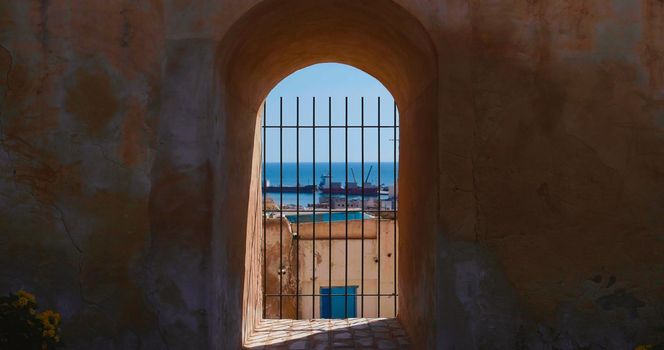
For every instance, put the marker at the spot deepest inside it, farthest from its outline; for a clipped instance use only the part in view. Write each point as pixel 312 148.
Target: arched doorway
pixel 329 141
pixel 274 39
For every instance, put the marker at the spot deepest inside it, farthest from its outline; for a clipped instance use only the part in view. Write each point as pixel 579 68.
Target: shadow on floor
pixel 354 333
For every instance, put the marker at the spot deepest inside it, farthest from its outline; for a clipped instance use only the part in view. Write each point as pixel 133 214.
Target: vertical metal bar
pixel 281 202
pixel 329 217
pixel 297 207
pixel 264 208
pixel 313 227
pixel 362 206
pixel 394 213
pixel 379 217
pixel 346 207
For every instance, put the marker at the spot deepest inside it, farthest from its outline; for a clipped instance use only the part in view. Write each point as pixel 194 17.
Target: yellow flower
pixel 49 318
pixel 25 295
pixel 21 302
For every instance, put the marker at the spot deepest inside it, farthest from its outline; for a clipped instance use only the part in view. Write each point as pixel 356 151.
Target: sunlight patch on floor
pixel 353 333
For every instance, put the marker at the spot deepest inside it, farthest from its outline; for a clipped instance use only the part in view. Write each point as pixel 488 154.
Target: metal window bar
pixel 281 206
pixel 313 243
pixel 329 218
pixel 395 207
pixel 297 205
pixel 346 212
pixel 380 257
pixel 362 205
pixel 264 209
pixel 363 210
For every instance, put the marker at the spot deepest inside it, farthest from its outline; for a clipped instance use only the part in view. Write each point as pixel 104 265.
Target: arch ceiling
pixel 276 38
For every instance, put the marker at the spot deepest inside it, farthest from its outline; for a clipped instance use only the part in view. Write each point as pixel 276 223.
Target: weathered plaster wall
pixel 128 130
pixel 281 273
pixel 79 100
pixel 551 153
pixel 290 261
pixel 353 262
pixel 252 296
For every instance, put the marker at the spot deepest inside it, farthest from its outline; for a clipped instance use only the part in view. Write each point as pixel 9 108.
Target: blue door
pixel 335 304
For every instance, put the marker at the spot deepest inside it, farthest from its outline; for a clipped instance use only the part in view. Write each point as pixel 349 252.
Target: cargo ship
pixel 267 188
pixel 326 186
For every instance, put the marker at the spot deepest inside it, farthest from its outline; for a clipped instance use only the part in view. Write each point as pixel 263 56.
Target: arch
pixel 274 39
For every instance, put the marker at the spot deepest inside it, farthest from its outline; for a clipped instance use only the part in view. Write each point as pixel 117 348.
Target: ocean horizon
pixel 274 174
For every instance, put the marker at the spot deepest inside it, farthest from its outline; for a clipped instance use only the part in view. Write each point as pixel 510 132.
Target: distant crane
pixel 369 173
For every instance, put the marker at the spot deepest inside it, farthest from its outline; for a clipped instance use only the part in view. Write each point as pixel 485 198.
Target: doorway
pixel 276 38
pixel 338 302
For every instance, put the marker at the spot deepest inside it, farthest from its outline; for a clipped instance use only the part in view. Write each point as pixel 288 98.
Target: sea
pixel 286 173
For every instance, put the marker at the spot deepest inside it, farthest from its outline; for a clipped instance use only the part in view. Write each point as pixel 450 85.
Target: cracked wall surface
pixel 127 138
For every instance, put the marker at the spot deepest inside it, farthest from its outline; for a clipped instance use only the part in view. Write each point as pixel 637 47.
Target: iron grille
pixel 378 215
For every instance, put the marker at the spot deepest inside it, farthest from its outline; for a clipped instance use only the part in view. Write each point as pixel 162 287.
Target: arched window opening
pixel 329 178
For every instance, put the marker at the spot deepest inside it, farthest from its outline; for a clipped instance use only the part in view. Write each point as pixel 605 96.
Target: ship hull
pixel 289 189
pixel 351 192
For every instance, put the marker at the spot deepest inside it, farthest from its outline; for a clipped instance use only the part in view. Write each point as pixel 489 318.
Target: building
pixel 368 259
pixel 370 203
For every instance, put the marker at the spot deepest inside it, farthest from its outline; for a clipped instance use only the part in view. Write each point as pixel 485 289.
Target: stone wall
pixel 533 132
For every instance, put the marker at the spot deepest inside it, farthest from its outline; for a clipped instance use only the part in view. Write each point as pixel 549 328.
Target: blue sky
pixel 337 81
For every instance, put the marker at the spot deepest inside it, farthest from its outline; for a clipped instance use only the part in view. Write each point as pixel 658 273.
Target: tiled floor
pixel 354 333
